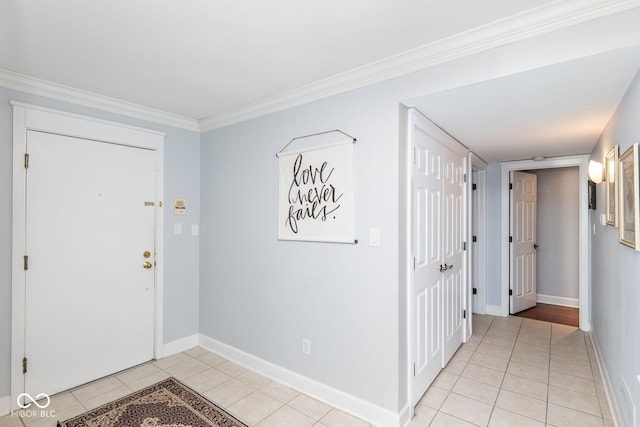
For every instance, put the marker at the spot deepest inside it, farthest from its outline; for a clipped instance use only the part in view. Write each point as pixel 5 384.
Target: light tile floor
pixel 518 372
pixel 513 372
pixel 256 400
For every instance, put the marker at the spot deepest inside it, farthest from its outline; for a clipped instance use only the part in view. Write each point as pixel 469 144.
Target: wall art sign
pixel 629 198
pixel 316 194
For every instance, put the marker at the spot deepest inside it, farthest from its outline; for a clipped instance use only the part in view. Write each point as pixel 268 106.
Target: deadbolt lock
pixel 146 254
pixel 147 265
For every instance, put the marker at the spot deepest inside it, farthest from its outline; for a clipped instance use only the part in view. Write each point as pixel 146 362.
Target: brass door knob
pixel 147 265
pixel 146 254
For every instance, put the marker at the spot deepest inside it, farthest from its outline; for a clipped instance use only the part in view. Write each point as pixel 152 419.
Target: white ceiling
pixel 551 111
pixel 206 59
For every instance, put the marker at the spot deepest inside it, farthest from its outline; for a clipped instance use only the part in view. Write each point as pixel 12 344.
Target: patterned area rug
pixel 168 403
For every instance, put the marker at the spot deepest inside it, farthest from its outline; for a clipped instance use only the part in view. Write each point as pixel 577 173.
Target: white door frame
pixel 30 117
pixel 583 227
pixel 477 250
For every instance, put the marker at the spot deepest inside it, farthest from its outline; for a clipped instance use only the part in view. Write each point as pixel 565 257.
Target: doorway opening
pixel 582 226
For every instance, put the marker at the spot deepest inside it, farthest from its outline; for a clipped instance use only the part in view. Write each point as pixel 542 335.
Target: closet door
pixel 427 248
pixel 453 253
pixel 437 286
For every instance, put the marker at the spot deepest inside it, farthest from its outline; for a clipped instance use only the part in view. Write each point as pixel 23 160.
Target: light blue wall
pixel 182 179
pixel 494 246
pixel 615 273
pixel 558 213
pixel 262 295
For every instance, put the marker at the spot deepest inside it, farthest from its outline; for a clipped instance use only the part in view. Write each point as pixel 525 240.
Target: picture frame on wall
pixel 629 207
pixel 611 199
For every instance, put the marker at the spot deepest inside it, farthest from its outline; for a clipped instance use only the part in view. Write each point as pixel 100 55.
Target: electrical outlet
pixel 306 346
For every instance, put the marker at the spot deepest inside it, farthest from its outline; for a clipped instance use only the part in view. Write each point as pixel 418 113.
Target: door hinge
pixel 464 177
pixel 474 186
pixel 414 263
pixel 464 314
pixel 464 246
pixel 474 291
pixel 510 186
pixel 26 262
pixel 474 239
pixel 414 369
pixel 510 292
pixel 414 156
pixel 26 161
pixel 510 239
pixel 24 365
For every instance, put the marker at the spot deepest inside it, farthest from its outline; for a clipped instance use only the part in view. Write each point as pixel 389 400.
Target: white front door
pixel 89 299
pixel 453 253
pixel 523 224
pixel 428 175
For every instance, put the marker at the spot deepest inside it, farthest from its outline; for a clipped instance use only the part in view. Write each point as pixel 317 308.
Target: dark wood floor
pixel 553 313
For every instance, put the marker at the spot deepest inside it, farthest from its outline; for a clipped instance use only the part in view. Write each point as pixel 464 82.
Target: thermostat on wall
pixel 179 207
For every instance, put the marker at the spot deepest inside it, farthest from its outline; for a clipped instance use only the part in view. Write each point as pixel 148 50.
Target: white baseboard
pixel 351 404
pixel 5 405
pixel 606 380
pixel 178 346
pixel 494 310
pixel 405 415
pixel 550 299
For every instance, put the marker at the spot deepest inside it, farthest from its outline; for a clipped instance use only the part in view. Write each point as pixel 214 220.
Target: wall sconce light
pixel 596 173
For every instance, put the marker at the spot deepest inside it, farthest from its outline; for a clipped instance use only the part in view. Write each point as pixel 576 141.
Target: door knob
pixel 535 246
pixel 147 264
pixel 146 254
pixel 445 267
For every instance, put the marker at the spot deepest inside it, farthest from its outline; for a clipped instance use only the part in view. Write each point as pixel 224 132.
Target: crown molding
pixel 34 86
pixel 531 23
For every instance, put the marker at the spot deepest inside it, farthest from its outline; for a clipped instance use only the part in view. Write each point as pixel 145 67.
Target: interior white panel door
pixel 453 253
pixel 89 300
pixel 427 248
pixel 523 223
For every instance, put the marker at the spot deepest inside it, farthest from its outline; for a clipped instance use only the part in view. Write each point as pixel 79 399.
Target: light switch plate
pixel 374 237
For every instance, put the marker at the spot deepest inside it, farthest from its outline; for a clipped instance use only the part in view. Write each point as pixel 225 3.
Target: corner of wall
pixel 178 346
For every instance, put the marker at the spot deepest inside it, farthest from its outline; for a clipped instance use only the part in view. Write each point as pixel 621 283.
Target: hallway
pixel 517 371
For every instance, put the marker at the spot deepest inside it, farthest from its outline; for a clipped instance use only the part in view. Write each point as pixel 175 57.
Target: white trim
pixel 5 405
pixel 494 310
pixel 322 392
pixel 405 271
pixel 606 380
pixel 179 345
pixel 30 117
pixel 34 86
pixel 522 26
pixel 528 24
pixel 581 162
pixel 550 299
pixel 478 270
pixel 405 415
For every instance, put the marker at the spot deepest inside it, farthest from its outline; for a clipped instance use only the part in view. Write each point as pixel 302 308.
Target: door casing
pixel 31 117
pixel 583 226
